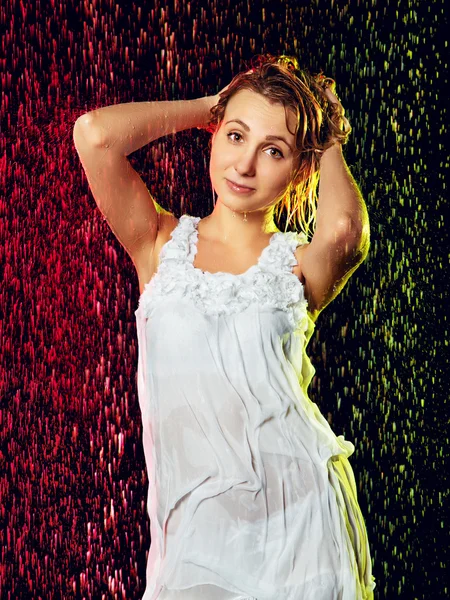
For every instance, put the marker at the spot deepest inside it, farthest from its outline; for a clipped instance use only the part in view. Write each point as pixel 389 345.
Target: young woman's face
pixel 240 152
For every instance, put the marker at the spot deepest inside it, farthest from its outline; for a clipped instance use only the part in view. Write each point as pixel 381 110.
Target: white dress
pixel 251 494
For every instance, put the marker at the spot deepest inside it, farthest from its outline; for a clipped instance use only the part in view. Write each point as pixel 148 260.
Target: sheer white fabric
pixel 251 494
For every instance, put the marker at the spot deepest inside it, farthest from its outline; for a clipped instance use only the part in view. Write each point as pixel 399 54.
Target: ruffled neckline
pixel 194 248
pixel 270 282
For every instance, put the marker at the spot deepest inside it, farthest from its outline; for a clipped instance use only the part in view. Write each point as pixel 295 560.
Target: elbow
pixel 361 240
pixel 351 241
pixel 84 122
pixel 346 232
pixel 358 248
pixel 86 129
pixel 77 132
pixel 354 234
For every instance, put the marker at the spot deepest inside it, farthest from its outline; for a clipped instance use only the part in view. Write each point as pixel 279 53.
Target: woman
pixel 251 494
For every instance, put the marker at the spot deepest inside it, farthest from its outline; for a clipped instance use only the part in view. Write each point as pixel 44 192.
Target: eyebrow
pixel 268 137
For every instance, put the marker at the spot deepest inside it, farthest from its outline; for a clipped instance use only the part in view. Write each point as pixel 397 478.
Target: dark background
pixel 73 484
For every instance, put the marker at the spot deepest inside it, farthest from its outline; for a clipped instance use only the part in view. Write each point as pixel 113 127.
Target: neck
pixel 238 228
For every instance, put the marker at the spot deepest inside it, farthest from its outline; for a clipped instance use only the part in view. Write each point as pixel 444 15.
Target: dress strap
pixel 181 246
pixel 280 254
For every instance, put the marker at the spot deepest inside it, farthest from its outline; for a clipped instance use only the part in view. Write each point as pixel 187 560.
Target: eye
pixel 232 133
pixel 279 152
pixel 281 155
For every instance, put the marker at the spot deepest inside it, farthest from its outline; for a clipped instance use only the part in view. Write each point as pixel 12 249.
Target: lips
pixel 244 187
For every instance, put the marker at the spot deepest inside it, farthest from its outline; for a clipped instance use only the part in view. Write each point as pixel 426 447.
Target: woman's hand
pixel 216 98
pixel 345 125
pixel 329 91
pixel 213 100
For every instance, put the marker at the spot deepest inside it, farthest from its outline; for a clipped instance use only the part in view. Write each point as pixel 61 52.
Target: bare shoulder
pixel 325 266
pixel 147 264
pixel 298 271
pixel 167 223
pixel 299 252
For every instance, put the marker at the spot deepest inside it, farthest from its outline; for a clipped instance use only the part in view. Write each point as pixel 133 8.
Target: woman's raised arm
pixel 104 138
pixel 124 128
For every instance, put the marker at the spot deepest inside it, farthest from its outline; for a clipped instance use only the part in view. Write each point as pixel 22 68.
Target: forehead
pixel 257 112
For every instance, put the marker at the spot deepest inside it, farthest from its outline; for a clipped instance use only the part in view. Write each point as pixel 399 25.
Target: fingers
pixel 332 96
pixel 328 86
pixel 325 82
pixel 345 125
pixel 334 99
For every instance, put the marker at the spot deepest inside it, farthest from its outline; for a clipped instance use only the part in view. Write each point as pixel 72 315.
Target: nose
pixel 245 163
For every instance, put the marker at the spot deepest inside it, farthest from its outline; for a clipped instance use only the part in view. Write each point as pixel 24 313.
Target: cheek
pixel 215 166
pixel 280 180
pixel 275 171
pixel 219 157
pixel 213 161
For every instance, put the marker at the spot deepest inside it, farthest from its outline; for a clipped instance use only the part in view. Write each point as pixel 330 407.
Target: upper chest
pixel 212 258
